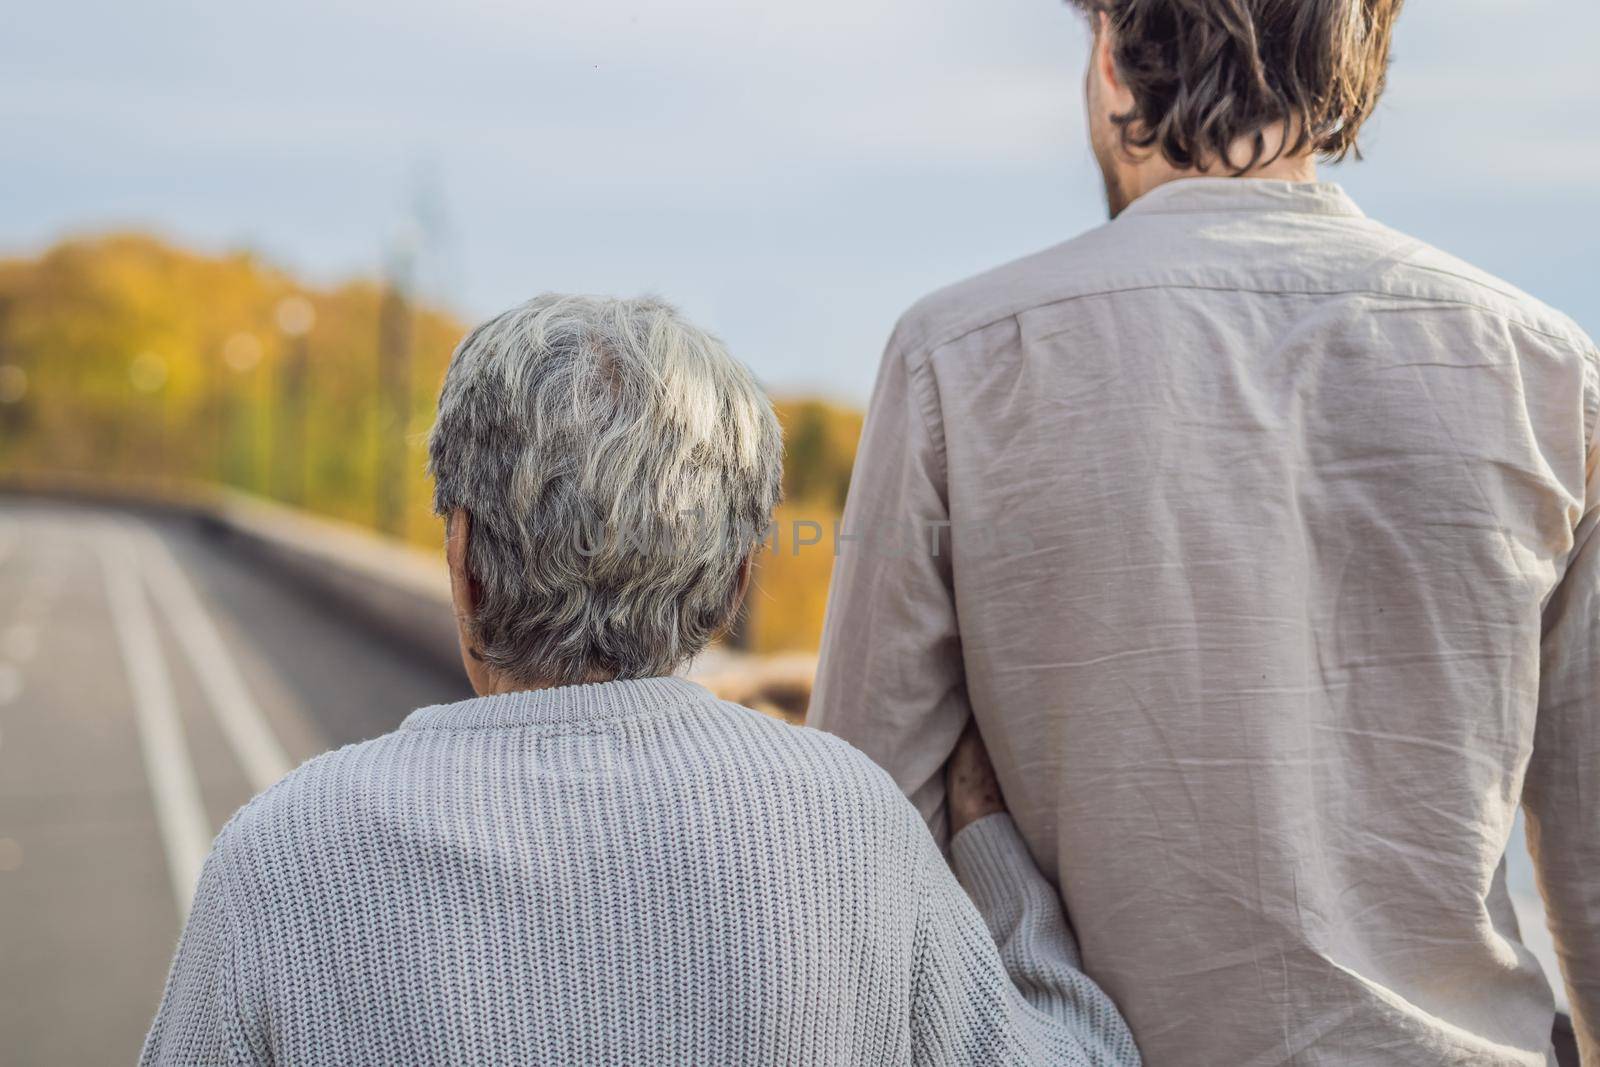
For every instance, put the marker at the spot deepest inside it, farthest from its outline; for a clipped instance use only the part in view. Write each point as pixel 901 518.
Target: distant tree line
pixel 125 357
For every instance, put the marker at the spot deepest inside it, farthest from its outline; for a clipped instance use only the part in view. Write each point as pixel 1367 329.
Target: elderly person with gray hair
pixel 596 862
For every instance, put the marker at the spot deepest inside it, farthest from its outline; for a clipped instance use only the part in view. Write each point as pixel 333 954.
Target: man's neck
pixel 1156 172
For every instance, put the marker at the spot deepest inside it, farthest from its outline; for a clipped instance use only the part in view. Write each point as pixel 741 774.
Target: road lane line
pixel 249 734
pixel 180 813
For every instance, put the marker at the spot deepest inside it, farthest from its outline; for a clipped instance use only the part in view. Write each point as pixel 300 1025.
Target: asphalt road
pixel 152 679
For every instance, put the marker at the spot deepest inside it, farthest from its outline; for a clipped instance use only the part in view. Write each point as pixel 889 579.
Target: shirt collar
pixel 1200 196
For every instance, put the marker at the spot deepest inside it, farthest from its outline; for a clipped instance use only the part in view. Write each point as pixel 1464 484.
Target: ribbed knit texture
pixel 625 873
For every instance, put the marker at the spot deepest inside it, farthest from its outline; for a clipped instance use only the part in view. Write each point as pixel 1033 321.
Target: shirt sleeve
pixel 1561 796
pixel 997 978
pixel 200 1021
pixel 890 679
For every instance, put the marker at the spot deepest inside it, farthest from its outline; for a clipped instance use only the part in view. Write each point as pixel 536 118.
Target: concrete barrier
pixel 396 590
pixel 403 593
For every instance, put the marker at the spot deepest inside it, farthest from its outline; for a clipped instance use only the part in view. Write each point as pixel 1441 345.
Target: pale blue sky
pixel 792 174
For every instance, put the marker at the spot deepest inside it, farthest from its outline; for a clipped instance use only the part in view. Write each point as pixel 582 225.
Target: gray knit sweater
pixel 630 873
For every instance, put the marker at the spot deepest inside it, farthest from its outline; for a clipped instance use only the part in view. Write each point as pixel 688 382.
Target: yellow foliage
pixel 124 356
pixel 789 592
pixel 819 441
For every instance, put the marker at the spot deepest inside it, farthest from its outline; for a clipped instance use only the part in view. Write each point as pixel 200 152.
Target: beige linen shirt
pixel 1271 577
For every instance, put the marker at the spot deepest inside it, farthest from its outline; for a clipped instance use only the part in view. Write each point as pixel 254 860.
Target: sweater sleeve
pixel 997 975
pixel 200 1021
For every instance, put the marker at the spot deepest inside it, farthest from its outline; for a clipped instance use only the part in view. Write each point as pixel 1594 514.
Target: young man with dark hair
pixel 1259 540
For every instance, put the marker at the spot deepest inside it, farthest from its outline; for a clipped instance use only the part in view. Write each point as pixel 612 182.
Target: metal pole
pixel 394 404
pixel 290 429
pixel 296 316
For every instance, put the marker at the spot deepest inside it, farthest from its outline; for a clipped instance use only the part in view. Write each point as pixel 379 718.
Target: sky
pixel 792 175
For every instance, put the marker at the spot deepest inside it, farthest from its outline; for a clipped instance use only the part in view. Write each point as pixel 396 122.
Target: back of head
pixel 618 467
pixel 1236 84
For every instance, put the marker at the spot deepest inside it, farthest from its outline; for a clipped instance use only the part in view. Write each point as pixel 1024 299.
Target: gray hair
pixel 619 466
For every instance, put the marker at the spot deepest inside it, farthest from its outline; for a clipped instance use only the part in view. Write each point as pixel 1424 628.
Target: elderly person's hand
pixel 970 784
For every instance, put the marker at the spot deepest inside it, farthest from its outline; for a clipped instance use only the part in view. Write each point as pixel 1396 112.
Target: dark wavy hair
pixel 1207 73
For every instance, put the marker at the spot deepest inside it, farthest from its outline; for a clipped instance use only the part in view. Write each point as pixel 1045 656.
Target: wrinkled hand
pixel 972 789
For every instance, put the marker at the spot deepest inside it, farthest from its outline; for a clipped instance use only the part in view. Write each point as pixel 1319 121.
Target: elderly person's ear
pixel 457 535
pixel 464 598
pixel 747 570
pixel 743 578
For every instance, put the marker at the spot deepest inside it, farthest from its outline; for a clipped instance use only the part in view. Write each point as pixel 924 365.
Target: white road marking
pixel 180 814
pixel 249 734
pixel 10 683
